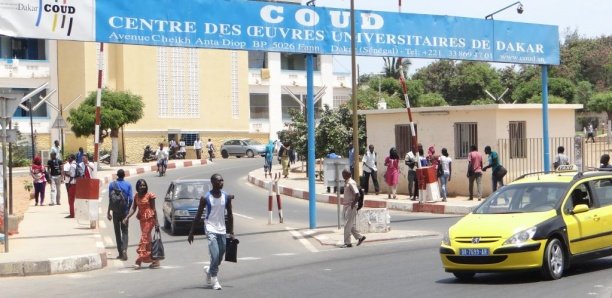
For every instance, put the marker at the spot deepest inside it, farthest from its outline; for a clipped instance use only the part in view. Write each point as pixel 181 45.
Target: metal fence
pixel 521 156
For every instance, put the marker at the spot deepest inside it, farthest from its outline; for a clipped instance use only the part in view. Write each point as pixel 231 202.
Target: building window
pixel 258 59
pixel 297 62
pixel 189 137
pixel 403 139
pixel 178 85
pixel 259 107
pixel 466 135
pixel 340 100
pixel 518 140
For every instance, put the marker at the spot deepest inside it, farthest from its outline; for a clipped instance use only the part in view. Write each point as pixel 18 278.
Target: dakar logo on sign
pixel 58 14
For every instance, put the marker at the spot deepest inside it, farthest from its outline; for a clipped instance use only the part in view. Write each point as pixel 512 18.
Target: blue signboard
pixel 278 27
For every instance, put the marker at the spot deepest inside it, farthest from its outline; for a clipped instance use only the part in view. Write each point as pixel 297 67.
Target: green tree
pixel 296 132
pixel 331 134
pixel 602 102
pixel 118 108
pixel 483 101
pixel 431 100
pixel 471 80
pixel 436 77
pixel 584 91
pixel 562 87
pixel 551 99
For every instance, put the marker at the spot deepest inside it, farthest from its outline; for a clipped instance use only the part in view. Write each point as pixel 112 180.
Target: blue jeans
pixel 216 249
pixel 443 182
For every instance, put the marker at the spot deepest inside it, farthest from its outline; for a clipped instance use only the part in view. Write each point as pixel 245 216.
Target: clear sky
pixel 592 18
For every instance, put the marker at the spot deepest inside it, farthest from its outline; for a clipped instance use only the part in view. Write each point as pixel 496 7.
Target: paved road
pixel 274 263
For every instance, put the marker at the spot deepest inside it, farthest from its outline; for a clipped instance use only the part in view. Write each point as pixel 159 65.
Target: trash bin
pixel 87 201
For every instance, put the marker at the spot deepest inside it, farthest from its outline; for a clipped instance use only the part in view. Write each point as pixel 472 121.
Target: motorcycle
pixel 148 154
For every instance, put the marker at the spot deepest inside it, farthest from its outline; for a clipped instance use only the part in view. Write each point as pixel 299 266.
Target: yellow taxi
pixel 540 221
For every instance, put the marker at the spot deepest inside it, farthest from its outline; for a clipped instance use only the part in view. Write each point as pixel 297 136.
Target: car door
pixel 167 208
pixel 232 147
pixel 243 147
pixel 583 229
pixel 602 193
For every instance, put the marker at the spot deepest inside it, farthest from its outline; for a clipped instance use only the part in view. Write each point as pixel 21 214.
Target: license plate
pixel 474 251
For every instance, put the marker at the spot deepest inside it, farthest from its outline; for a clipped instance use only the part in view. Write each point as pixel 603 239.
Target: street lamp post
pixel 354 95
pixel 519 10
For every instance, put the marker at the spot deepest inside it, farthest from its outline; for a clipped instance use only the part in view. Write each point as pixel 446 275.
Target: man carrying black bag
pixel 350 201
pixel 120 199
pixel 218 210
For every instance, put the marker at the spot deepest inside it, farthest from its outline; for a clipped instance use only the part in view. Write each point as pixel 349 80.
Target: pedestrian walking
pixel 144 204
pixel 447 169
pixel 370 170
pixel 268 159
pixel 498 170
pixel 413 183
pixel 283 154
pixel 56 149
pixel 561 158
pixel 211 150
pixel 219 224
pixel 54 168
pixel 37 171
pixel 474 172
pixel 349 210
pixel 117 212
pixel 392 173
pixel 197 146
pixel 70 169
pixel 590 133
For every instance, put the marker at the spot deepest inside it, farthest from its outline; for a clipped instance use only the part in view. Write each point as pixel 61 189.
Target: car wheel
pixel 166 224
pixel 224 154
pixel 250 153
pixel 464 275
pixel 554 260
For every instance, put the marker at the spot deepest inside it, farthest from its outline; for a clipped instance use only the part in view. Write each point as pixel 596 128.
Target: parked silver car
pixel 242 147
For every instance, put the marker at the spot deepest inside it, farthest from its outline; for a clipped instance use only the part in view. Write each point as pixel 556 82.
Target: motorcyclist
pixel 148 154
pixel 162 159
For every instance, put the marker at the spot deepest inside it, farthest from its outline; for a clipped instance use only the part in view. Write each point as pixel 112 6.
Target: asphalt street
pixel 276 261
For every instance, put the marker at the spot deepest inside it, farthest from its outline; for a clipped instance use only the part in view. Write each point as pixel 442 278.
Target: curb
pixel 401 205
pixel 86 262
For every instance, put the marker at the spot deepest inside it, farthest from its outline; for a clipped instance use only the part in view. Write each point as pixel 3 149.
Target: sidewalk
pixel 48 243
pixel 296 185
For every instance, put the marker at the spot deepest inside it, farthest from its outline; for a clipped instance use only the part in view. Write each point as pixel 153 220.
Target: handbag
pixel 500 173
pixel 231 250
pixel 157 247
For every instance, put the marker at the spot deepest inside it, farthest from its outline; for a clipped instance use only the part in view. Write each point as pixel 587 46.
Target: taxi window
pixel 524 197
pixel 603 191
pixel 579 195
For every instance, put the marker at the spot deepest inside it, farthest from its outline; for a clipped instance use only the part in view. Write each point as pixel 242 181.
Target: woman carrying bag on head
pixel 144 203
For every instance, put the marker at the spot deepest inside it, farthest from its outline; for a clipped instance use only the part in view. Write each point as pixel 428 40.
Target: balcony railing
pixel 298 78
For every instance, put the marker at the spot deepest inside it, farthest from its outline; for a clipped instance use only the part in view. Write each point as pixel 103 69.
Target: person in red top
pixel 475 171
pixel 144 203
pixel 37 171
pixel 87 168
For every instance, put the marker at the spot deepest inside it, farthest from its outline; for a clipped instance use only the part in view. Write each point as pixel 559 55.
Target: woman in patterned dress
pixel 144 202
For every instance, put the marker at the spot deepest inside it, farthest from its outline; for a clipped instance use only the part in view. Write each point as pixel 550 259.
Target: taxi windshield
pixel 523 198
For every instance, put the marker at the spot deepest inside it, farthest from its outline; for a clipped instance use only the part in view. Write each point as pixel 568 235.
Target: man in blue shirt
pixel 121 229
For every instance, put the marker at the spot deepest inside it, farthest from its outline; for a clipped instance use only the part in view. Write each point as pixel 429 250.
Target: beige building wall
pixel 435 126
pixel 222 83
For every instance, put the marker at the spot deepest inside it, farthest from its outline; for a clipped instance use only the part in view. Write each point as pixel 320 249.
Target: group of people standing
pixel 198 146
pixel 442 165
pixel 57 172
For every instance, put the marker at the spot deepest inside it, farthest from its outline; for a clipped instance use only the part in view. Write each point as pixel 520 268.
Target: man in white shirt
pixel 218 205
pixel 369 169
pixel 197 146
pixel 162 159
pixel 56 148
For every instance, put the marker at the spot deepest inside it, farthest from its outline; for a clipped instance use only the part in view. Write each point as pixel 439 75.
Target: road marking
pixel 249 259
pixel 243 216
pixel 286 254
pixel 302 240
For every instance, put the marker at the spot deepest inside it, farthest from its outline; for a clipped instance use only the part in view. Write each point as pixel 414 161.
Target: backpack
pixel 118 202
pixel 78 172
pixel 360 199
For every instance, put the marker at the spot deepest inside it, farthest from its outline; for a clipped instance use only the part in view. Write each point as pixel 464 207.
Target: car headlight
pixel 446 239
pixel 181 213
pixel 521 237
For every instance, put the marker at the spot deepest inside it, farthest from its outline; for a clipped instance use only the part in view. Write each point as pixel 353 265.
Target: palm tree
pixel 394 64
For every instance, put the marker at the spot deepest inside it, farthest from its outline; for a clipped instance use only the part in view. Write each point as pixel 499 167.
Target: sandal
pixel 154 265
pixel 137 266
